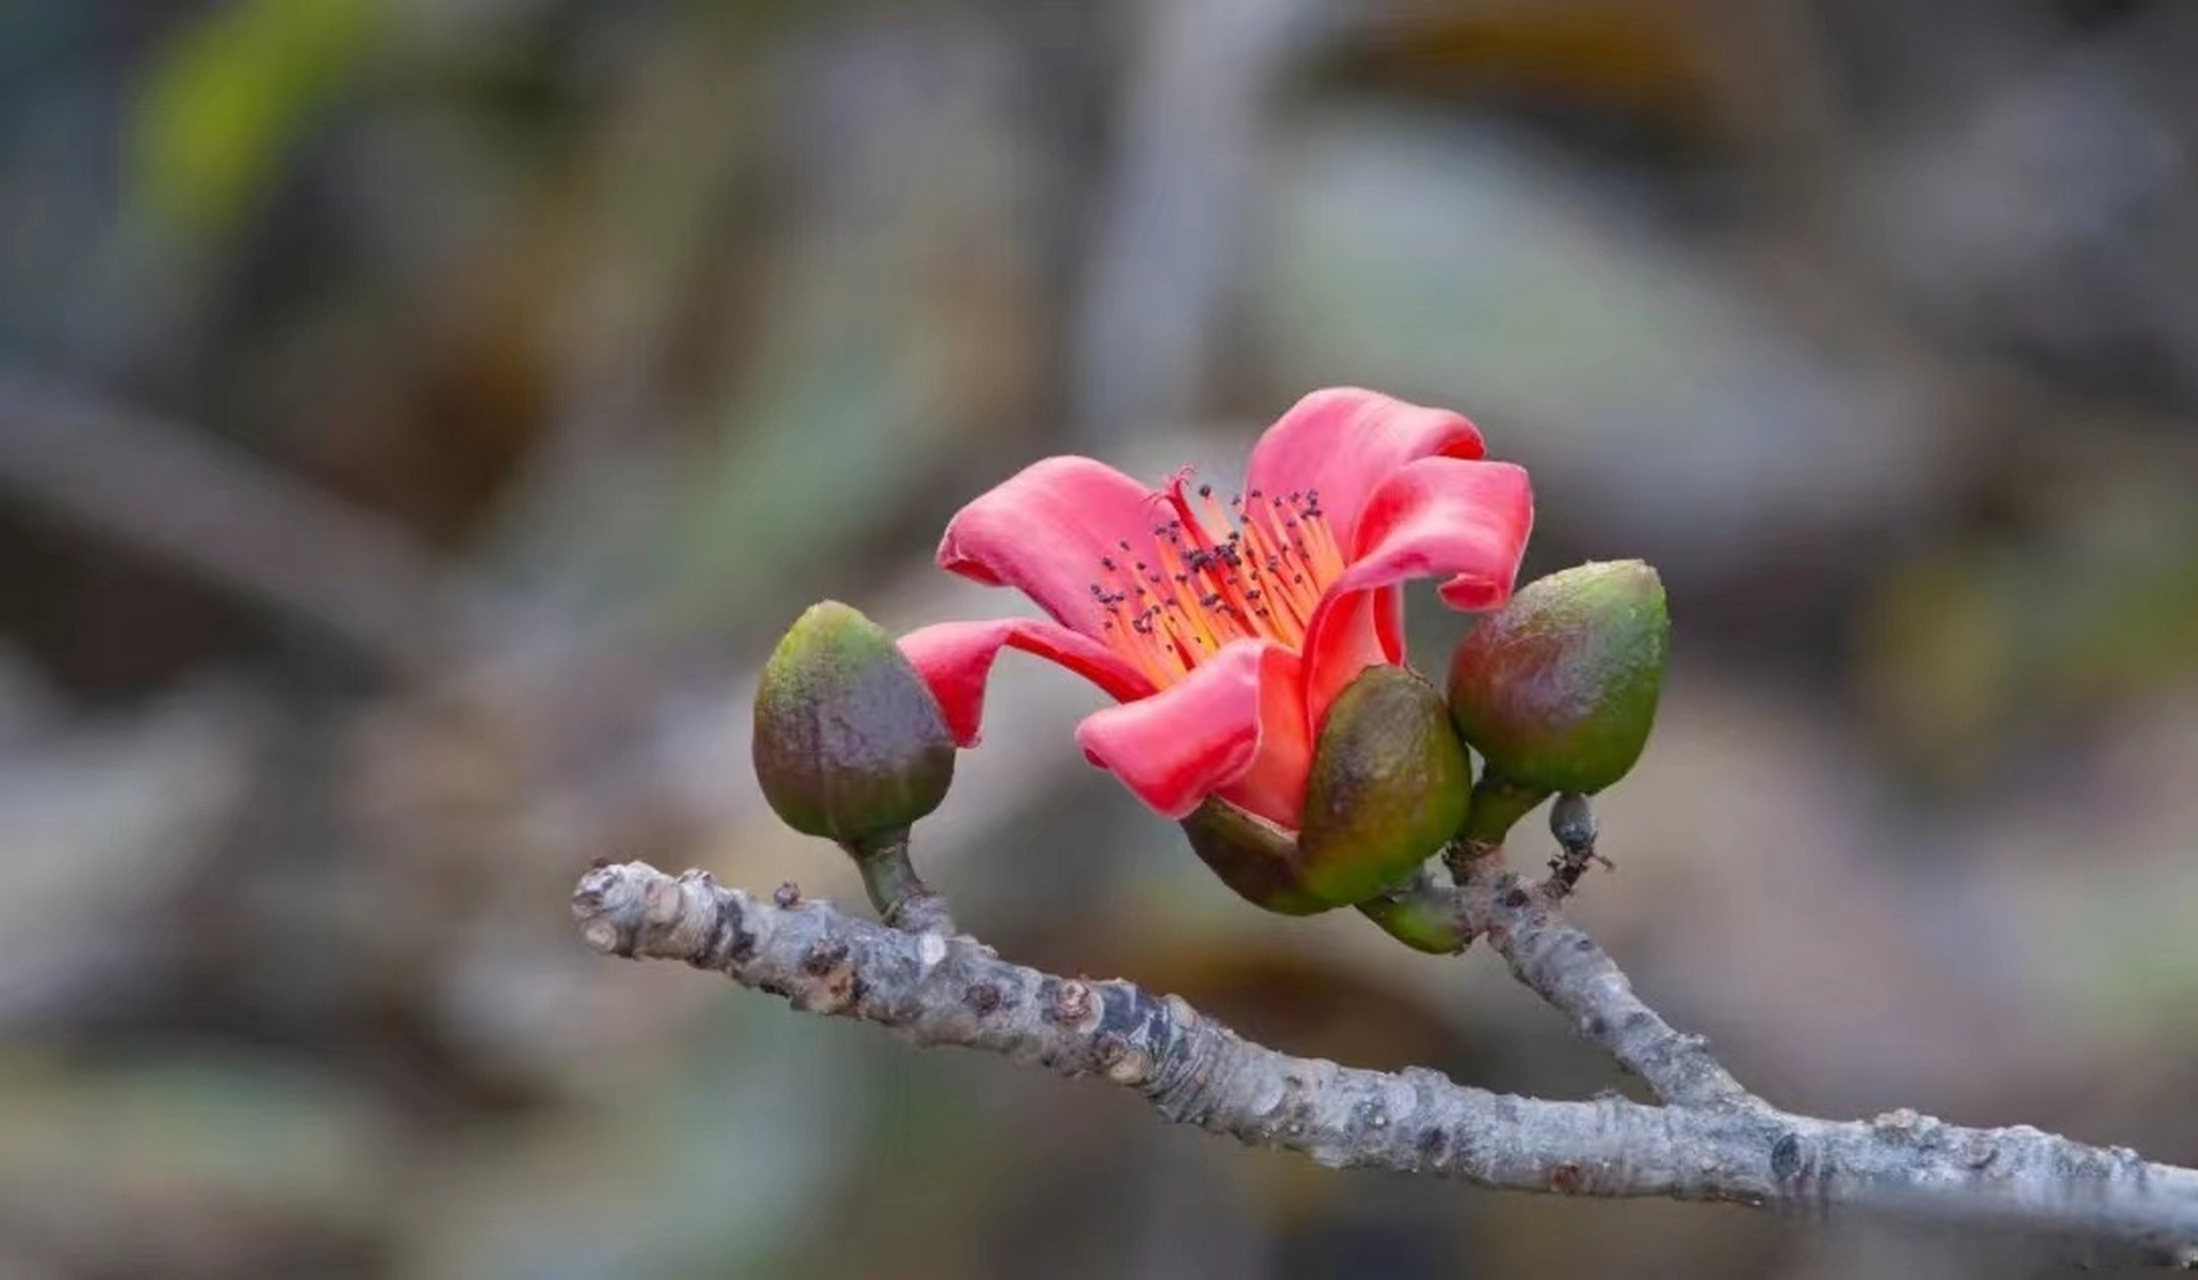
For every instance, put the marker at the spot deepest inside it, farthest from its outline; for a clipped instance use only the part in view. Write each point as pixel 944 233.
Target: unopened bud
pixel 1558 689
pixel 1389 787
pixel 849 743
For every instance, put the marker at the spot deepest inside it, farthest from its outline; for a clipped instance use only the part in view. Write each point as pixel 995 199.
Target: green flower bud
pixel 1252 856
pixel 1557 690
pixel 1389 787
pixel 849 743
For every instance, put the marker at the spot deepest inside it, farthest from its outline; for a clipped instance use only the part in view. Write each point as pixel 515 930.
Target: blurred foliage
pixel 418 416
pixel 228 97
pixel 1991 641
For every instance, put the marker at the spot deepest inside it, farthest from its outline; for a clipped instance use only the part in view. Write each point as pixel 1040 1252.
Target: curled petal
pixel 1044 531
pixel 1234 727
pixel 1344 441
pixel 955 659
pixel 1465 522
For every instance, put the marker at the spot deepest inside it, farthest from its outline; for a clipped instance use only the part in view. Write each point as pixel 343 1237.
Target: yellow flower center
pixel 1210 575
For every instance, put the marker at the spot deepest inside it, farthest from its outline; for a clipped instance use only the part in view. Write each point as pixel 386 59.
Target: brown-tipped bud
pixel 1557 690
pixel 1389 787
pixel 849 743
pixel 1252 856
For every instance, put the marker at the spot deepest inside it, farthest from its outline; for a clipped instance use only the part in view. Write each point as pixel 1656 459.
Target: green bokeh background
pixel 418 418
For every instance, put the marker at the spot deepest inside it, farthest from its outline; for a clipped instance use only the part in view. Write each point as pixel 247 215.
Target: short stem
pixel 1422 915
pixel 1498 804
pixel 899 894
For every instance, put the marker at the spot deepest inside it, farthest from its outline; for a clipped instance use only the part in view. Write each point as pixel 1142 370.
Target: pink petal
pixel 1344 441
pixel 1466 522
pixel 955 659
pixel 1235 726
pixel 1044 531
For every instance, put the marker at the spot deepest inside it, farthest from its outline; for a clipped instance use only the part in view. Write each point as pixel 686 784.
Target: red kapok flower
pixel 1225 630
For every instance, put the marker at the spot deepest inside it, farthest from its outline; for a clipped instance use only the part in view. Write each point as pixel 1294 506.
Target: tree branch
pixel 1565 967
pixel 1718 1144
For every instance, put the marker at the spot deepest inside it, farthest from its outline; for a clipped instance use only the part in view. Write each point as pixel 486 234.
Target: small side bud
pixel 1389 787
pixel 1558 689
pixel 1252 856
pixel 1572 823
pixel 849 743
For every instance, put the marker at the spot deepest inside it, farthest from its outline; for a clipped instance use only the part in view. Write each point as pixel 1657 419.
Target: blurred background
pixel 418 417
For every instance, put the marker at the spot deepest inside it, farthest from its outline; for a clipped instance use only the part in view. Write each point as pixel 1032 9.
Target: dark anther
pixel 1205 491
pixel 981 997
pixel 786 896
pixel 1515 899
pixel 1106 562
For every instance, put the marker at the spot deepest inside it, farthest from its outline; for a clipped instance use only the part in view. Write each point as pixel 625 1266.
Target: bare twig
pixel 941 990
pixel 1565 967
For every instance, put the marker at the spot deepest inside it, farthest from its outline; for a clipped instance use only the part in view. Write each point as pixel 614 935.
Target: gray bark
pixel 1712 1141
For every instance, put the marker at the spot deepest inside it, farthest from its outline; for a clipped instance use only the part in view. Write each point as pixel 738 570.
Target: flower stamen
pixel 1210 574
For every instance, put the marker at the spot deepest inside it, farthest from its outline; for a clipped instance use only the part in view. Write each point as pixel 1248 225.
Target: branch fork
pixel 1709 1140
